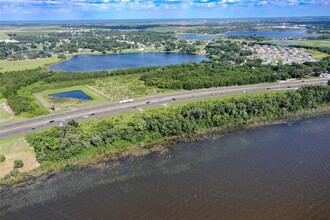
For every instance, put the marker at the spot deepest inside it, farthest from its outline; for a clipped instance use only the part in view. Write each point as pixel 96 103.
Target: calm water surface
pixel 196 37
pixel 272 34
pixel 75 94
pixel 274 172
pixel 90 63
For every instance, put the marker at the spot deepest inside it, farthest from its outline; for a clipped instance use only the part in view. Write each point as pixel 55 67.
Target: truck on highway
pixel 125 101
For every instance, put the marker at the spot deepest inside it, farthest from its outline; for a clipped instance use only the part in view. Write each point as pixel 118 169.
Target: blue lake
pixel 286 43
pixel 90 63
pixel 196 37
pixel 75 94
pixel 271 34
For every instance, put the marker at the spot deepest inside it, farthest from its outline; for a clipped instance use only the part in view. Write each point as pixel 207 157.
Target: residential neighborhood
pixel 275 55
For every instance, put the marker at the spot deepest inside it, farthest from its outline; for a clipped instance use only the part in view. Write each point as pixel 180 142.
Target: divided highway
pixel 46 121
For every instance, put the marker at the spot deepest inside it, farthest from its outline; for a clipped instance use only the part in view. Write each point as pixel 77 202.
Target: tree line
pixel 62 143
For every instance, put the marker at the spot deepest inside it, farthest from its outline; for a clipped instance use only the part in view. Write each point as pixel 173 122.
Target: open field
pixel 318 54
pixel 44 101
pixel 6 65
pixel 314 43
pixel 311 43
pixel 6 113
pixel 31 29
pixel 123 87
pixel 16 148
pixel 3 36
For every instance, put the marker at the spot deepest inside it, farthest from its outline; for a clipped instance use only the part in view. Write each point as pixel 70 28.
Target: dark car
pixel 173 99
pixel 33 128
pixel 268 88
pixel 148 103
pixel 52 121
pixel 289 87
pixel 92 114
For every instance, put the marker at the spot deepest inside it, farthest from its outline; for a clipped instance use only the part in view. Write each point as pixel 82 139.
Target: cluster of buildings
pixel 10 41
pixel 274 55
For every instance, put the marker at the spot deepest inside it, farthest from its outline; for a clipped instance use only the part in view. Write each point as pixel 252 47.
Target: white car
pixel 125 101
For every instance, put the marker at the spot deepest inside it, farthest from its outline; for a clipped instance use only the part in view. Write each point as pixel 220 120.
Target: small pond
pixel 75 94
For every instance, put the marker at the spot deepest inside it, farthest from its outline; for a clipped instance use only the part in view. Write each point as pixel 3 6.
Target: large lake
pixel 90 63
pixel 196 37
pixel 273 172
pixel 271 34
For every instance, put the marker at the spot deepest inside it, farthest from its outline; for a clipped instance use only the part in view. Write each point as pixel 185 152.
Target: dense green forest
pixel 60 143
pixel 215 74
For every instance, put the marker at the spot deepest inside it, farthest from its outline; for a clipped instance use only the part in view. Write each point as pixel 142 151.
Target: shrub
pixel 18 164
pixel 14 172
pixel 2 158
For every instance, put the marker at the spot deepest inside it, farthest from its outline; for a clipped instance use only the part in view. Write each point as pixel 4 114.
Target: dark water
pixel 75 94
pixel 90 63
pixel 196 37
pixel 286 43
pixel 272 34
pixel 274 172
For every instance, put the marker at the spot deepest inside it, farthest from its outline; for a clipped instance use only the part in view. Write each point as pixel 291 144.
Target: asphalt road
pixel 46 121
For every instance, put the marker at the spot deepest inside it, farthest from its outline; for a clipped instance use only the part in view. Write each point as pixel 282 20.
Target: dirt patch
pixel 17 149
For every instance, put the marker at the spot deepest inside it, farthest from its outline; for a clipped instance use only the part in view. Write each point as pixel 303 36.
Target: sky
pixel 158 9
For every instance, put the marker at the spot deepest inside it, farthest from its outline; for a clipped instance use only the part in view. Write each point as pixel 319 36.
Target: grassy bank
pixel 44 100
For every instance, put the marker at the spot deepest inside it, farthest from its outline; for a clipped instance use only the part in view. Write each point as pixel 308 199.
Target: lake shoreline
pixel 66 67
pixel 119 156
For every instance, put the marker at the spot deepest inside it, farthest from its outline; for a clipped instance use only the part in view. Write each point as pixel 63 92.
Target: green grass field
pixel 318 54
pixel 122 87
pixel 6 65
pixel 16 148
pixel 311 43
pixel 60 104
pixel 314 43
pixel 3 36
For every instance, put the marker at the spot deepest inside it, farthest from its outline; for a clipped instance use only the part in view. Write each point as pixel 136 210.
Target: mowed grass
pixel 6 65
pixel 116 88
pixel 314 43
pixel 318 54
pixel 44 99
pixel 3 36
pixel 311 43
pixel 16 148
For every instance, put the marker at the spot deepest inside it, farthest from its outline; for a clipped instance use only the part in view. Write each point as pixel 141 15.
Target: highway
pixel 21 127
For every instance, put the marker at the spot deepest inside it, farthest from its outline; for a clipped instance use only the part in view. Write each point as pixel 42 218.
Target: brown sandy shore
pixel 116 157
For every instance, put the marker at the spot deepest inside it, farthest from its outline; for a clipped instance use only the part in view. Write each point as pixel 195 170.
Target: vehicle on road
pixel 85 116
pixel 148 103
pixel 125 101
pixel 51 121
pixel 268 88
pixel 173 99
pixel 92 114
